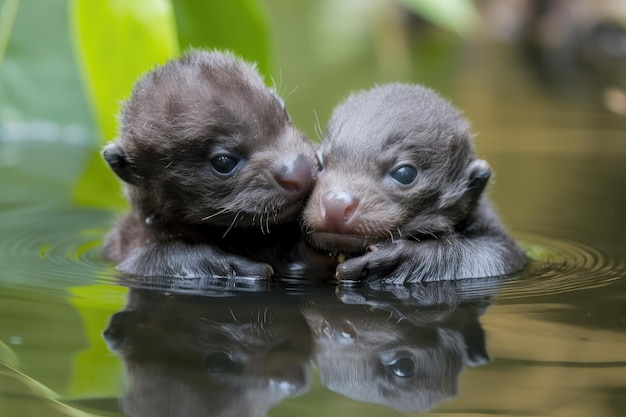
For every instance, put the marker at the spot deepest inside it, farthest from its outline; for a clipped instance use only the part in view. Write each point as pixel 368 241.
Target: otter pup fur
pixel 400 192
pixel 215 172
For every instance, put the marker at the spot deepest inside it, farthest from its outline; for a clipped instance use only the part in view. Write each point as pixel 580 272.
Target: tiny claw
pixel 372 248
pixel 345 281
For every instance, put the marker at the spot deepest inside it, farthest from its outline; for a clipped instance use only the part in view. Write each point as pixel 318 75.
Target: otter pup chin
pixel 215 172
pixel 399 195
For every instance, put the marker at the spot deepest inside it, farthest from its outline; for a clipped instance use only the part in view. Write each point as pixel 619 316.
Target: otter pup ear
pixel 477 173
pixel 120 163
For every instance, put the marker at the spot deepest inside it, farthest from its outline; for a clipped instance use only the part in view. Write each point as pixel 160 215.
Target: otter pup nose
pixel 296 175
pixel 338 209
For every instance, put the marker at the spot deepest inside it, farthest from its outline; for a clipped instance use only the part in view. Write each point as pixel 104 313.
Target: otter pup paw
pixel 393 262
pixel 180 260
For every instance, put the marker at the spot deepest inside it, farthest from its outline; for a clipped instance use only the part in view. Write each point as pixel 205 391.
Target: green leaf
pixel 8 12
pixel 117 41
pixel 238 25
pixel 41 97
pixel 22 395
pixel 459 16
pixel 7 356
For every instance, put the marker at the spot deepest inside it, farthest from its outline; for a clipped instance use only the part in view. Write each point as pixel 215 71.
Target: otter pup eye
pixel 222 362
pixel 224 164
pixel 404 367
pixel 404 175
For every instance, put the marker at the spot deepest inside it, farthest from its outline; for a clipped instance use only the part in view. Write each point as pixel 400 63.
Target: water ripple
pixel 54 257
pixel 66 257
pixel 559 266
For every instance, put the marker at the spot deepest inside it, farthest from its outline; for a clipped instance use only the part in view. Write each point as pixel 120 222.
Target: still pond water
pixel 549 341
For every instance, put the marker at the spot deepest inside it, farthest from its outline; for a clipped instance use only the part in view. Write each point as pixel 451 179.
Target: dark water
pixel 549 341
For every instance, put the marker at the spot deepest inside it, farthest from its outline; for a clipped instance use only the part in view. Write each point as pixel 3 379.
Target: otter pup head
pixel 203 140
pixel 395 162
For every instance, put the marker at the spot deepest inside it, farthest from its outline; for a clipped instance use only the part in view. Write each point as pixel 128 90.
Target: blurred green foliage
pixel 116 41
pixel 241 26
pixel 41 97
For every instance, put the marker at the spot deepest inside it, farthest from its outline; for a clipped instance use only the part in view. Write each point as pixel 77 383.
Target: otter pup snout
pixel 338 209
pixel 295 175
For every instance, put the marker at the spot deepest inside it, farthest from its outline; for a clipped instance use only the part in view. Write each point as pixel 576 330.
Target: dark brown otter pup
pixel 400 192
pixel 213 168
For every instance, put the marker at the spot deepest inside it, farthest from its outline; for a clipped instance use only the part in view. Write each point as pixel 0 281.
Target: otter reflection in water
pixel 240 354
pixel 404 348
pixel 209 356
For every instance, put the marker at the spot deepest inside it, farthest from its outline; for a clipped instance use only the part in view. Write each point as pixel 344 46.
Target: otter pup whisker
pixel 232 224
pixel 232 313
pixel 267 223
pixel 222 211
pixel 318 127
pixel 292 92
pixel 262 223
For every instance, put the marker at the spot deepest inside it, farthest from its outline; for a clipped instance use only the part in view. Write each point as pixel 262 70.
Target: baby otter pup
pixel 400 193
pixel 211 165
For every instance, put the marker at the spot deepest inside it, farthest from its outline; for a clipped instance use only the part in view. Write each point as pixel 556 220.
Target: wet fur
pixel 439 227
pixel 187 220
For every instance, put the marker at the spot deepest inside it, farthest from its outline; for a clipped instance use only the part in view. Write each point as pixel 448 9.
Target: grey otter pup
pixel 210 162
pixel 400 192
